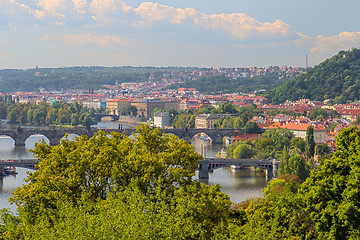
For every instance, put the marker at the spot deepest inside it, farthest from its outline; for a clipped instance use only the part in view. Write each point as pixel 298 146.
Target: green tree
pixel 3 110
pixel 110 187
pixel 75 119
pixel 298 143
pixel 332 192
pixel 273 141
pixel 101 163
pixel 321 114
pixel 251 127
pixel 87 121
pixel 51 116
pixel 284 162
pixel 172 114
pixel 310 142
pixel 243 151
pixel 297 166
pixel 132 110
pixel 322 149
pixel 227 108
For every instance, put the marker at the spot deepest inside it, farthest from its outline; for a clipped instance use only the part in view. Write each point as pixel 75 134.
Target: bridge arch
pixel 8 139
pixel 34 138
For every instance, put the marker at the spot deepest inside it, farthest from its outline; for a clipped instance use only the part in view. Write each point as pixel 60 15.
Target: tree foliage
pixel 60 113
pixel 158 205
pixel 110 187
pixel 93 77
pixel 101 163
pixel 293 164
pixel 251 127
pixel 224 84
pixel 332 192
pixel 271 144
pixel 337 79
pixel 321 114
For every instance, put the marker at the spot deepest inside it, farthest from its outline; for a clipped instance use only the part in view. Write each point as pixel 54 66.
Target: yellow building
pixel 116 106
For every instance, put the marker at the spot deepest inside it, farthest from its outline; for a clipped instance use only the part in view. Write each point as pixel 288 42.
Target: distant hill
pixel 12 80
pixel 337 79
pixel 222 84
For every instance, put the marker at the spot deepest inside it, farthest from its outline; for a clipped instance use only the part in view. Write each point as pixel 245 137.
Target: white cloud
pixel 53 7
pixel 83 39
pixel 239 25
pixel 105 11
pixel 67 12
pixel 62 8
pixel 342 41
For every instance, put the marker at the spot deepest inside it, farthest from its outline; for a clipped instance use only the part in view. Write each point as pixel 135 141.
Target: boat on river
pixel 9 171
pixel 235 167
pixel 204 138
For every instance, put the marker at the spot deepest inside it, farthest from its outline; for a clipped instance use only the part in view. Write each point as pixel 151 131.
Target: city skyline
pixel 62 33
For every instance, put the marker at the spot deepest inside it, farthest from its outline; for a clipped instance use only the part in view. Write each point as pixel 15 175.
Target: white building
pixel 161 120
pixel 299 129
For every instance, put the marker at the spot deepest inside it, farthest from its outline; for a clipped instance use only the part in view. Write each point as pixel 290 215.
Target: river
pixel 238 184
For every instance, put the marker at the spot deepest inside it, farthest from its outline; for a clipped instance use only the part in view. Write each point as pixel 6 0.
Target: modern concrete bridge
pixel 20 135
pixel 210 164
pixel 24 163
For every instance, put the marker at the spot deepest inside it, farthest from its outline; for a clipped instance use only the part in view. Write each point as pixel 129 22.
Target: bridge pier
pixel 19 142
pixel 269 173
pixel 54 141
pixel 275 167
pixel 204 169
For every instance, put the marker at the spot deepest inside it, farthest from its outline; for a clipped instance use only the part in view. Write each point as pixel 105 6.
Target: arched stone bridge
pixel 20 135
pixel 98 117
pixel 209 164
pixel 216 135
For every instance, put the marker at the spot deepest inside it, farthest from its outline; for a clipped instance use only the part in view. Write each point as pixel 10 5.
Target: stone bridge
pixel 216 135
pixel 210 164
pixel 98 117
pixel 20 135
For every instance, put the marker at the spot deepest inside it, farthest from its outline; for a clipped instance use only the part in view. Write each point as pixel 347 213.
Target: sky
pixel 188 33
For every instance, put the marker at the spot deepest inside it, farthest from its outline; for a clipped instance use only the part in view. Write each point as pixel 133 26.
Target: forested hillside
pixel 337 79
pixel 12 80
pixel 223 84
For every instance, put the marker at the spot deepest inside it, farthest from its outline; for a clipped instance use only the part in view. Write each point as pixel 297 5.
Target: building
pixel 282 118
pixel 117 106
pixel 208 120
pixel 168 105
pixel 146 106
pixel 97 103
pixel 161 120
pixel 299 129
pixel 189 104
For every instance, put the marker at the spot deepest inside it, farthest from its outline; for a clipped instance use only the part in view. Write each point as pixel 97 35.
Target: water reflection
pixel 239 184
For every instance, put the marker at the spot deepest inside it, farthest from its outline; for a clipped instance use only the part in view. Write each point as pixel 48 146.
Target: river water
pixel 238 184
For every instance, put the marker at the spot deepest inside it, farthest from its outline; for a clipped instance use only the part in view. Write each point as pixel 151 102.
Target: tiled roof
pixel 301 126
pixel 245 137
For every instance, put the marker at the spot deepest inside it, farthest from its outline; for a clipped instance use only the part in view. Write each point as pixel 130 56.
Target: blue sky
pixel 202 33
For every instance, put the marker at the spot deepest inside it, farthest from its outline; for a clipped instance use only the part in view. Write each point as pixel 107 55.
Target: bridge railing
pixel 209 164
